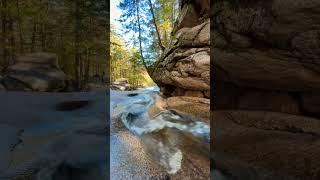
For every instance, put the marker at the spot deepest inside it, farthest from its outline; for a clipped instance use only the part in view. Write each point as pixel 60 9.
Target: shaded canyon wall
pixel 266 68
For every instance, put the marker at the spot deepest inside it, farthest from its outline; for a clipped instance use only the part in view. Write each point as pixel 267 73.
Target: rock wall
pixel 184 69
pixel 267 55
pixel 267 79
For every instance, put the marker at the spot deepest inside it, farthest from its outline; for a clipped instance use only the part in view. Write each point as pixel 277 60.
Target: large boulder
pixel 266 55
pixel 35 72
pixel 270 45
pixel 184 69
pixel 183 72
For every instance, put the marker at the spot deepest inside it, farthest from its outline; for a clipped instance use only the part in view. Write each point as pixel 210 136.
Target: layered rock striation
pixel 266 75
pixel 184 69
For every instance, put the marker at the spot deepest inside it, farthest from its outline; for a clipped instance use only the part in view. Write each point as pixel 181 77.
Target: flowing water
pixel 170 143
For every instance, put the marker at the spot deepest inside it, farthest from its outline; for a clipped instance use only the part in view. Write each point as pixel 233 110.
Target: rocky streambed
pixel 150 142
pixel 60 136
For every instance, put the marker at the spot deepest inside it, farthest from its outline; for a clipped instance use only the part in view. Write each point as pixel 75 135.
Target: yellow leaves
pixel 166 25
pixel 165 30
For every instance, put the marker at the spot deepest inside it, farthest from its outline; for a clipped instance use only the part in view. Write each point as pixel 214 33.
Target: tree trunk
pixel 21 39
pixel 43 37
pixel 156 26
pixel 44 27
pixel 87 67
pixel 81 71
pixel 76 43
pixel 33 37
pixel 173 14
pixel 4 31
pixel 139 33
pixel 12 40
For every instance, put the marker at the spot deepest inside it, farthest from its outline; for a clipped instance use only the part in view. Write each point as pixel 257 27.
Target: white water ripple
pixel 133 112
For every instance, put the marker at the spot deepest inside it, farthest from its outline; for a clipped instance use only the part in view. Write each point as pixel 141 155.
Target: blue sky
pixel 115 13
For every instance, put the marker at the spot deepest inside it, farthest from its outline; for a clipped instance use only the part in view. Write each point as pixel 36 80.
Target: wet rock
pixel 159 105
pixel 152 149
pixel 196 106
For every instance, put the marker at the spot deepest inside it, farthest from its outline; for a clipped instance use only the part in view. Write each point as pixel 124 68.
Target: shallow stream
pixel 175 144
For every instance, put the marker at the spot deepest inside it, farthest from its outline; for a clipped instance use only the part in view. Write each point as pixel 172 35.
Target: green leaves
pixel 51 26
pixel 126 61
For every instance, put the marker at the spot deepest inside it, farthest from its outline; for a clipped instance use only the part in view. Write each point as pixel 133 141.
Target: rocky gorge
pixel 265 76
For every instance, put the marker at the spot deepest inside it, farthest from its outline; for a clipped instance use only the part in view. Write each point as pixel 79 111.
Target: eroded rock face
pixel 267 73
pixel 184 69
pixel 35 72
pixel 268 45
pixel 265 145
pixel 199 107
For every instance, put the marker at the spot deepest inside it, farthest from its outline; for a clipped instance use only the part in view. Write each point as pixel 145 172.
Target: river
pixel 169 145
pixel 65 135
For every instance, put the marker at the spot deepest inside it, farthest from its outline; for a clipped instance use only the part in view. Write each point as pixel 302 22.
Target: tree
pixel 156 26
pixel 76 30
pixel 151 22
pixel 126 62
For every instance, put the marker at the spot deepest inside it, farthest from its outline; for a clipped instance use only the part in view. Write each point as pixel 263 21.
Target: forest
pixel 150 24
pixel 75 30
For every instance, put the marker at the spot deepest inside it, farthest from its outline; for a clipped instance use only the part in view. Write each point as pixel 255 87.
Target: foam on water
pixel 133 113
